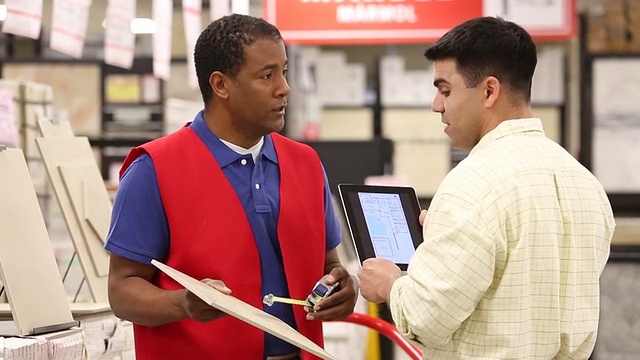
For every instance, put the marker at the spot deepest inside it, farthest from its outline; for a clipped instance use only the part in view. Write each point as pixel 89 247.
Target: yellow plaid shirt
pixel 515 240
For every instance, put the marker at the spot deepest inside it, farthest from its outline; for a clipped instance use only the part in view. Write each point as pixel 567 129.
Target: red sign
pixel 408 21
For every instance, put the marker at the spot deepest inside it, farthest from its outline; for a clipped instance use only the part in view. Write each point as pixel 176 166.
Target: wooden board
pixel 92 215
pixel 73 157
pixel 243 311
pixel 27 263
pixel 51 129
pixel 78 310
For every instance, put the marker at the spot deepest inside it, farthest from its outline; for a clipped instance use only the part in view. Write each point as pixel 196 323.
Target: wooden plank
pixel 27 263
pixel 74 157
pixel 243 311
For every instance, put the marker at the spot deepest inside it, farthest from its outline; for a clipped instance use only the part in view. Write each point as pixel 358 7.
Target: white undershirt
pixel 254 150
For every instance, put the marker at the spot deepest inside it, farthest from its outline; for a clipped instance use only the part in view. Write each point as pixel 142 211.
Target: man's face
pixel 258 94
pixel 461 108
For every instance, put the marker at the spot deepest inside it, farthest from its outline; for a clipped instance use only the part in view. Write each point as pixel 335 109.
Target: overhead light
pixel 143 26
pixel 3 12
pixel 139 25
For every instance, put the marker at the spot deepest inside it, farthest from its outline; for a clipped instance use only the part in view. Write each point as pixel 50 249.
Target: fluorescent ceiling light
pixel 143 26
pixel 3 12
pixel 139 25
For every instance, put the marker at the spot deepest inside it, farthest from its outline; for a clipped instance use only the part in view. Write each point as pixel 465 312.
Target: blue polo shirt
pixel 139 229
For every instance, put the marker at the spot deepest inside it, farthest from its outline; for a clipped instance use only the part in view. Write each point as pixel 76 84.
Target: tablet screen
pixel 383 221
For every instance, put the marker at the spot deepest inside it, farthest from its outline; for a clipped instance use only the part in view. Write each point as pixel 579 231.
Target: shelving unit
pixel 132 112
pixel 624 204
pixel 419 144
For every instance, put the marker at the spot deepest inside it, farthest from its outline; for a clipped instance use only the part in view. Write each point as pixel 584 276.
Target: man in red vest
pixel 226 198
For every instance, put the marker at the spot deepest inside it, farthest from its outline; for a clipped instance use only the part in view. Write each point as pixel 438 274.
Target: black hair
pixel 490 46
pixel 220 47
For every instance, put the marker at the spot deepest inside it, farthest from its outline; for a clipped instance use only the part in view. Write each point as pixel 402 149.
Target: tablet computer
pixel 383 221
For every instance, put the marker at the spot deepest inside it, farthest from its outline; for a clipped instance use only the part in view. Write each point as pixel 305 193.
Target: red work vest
pixel 211 238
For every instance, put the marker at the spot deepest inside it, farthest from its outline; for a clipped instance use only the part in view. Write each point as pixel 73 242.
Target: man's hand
pixel 423 215
pixel 376 279
pixel 340 303
pixel 197 309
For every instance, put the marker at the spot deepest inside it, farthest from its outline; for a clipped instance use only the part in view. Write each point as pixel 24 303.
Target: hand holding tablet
pixel 383 221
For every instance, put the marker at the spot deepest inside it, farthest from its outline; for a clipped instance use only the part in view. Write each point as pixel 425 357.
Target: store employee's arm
pixel 341 303
pixel 138 234
pixel 133 297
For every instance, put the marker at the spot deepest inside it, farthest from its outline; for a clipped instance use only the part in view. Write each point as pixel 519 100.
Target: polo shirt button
pixel 243 161
pixel 257 186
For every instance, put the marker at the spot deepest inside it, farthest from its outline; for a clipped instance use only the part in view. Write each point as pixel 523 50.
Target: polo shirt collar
pixel 223 154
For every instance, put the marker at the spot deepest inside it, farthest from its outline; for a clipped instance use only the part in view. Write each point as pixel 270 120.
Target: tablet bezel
pixel 356 222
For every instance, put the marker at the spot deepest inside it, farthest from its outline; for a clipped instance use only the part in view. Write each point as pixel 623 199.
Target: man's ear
pixel 219 83
pixel 492 91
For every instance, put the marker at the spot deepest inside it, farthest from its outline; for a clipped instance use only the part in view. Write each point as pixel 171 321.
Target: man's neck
pixel 220 124
pixel 510 113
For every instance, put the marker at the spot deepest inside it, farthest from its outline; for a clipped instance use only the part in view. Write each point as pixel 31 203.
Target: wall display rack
pixel 625 204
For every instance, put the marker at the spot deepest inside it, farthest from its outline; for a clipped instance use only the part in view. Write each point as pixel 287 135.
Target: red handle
pixel 386 329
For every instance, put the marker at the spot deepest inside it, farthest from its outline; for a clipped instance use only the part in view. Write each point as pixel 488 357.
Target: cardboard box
pixel 614 6
pixel 615 19
pixel 633 6
pixel 633 14
pixel 619 45
pixel 14 88
pixel 634 46
pixel 634 32
pixel 32 102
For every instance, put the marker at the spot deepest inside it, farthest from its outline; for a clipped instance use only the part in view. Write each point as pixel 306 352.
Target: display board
pixel 27 263
pixel 84 203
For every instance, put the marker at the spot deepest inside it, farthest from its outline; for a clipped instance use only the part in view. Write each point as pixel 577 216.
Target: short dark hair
pixel 220 47
pixel 490 46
